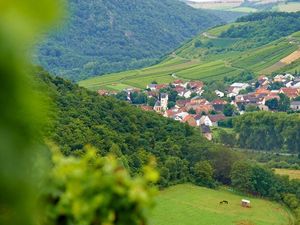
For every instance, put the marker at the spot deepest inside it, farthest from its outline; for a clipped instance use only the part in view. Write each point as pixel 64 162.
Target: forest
pixel 264 131
pixel 125 35
pixel 261 28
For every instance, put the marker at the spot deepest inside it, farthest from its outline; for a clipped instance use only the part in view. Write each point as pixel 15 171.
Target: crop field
pixel 193 63
pixel 288 7
pixel 191 205
pixel 293 174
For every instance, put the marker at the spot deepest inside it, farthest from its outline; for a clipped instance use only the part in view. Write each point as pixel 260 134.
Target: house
pixel 190 120
pixel 161 86
pixel 264 91
pixel 219 93
pixel 235 89
pixel 212 120
pixel 146 108
pixel 170 113
pixel 279 78
pixel 178 83
pixel 187 94
pixel 199 101
pixel 197 119
pixel 152 87
pixel 218 104
pixel 206 132
pixel 295 105
pixel 180 116
pixel 103 92
pixel 289 76
pixel 203 108
pixel 195 85
pixel 182 103
pixel 246 203
pixel 290 92
pixel 180 90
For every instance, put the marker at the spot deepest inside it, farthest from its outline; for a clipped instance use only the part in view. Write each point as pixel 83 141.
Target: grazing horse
pixel 224 202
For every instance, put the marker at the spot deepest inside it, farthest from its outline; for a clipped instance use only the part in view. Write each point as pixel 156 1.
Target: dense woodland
pixel 109 36
pixel 264 131
pixel 261 28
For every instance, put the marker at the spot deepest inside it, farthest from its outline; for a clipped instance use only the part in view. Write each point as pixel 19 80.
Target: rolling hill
pixel 103 36
pixel 220 53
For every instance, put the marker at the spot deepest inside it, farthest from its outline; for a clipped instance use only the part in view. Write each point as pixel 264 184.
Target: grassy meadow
pixel 293 174
pixel 191 205
pixel 197 61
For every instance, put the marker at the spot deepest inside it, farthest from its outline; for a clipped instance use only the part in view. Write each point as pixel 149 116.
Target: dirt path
pixel 205 34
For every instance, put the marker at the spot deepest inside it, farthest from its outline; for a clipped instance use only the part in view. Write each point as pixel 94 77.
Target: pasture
pixel 187 204
pixel 293 174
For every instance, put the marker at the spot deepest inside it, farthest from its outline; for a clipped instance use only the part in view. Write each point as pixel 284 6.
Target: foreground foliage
pixel 93 190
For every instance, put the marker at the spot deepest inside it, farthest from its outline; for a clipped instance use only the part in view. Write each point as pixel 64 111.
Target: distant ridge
pixel 104 36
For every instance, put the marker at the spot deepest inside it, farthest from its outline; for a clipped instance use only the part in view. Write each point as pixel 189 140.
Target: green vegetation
pixel 109 195
pixel 278 131
pixel 110 36
pixel 191 205
pixel 218 54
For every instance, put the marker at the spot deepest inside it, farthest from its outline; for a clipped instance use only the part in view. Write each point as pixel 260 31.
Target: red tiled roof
pixel 216 118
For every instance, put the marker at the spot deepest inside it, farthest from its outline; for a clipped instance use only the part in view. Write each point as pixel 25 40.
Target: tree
pixel 252 108
pixel 241 176
pixel 151 101
pixel 203 173
pixel 273 103
pixel 284 103
pixel 198 44
pixel 22 118
pixel 228 110
pixel 171 104
pixel 192 111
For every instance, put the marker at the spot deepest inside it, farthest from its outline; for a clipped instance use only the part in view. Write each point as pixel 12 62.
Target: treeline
pixel 261 28
pixel 268 131
pixel 258 180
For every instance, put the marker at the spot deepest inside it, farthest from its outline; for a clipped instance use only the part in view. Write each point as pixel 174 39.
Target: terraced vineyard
pixel 207 57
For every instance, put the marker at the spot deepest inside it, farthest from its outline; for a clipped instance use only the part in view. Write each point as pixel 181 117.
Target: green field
pixel 191 205
pixel 293 174
pixel 202 63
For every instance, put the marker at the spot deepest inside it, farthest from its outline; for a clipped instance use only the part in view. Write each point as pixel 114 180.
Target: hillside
pixel 220 53
pixel 192 205
pixel 135 136
pixel 109 36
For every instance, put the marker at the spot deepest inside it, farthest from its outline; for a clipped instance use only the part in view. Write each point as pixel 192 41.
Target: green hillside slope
pixel 192 205
pixel 108 36
pixel 221 52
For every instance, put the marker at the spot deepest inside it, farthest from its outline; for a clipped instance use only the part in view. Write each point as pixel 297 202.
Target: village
pixel 183 101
